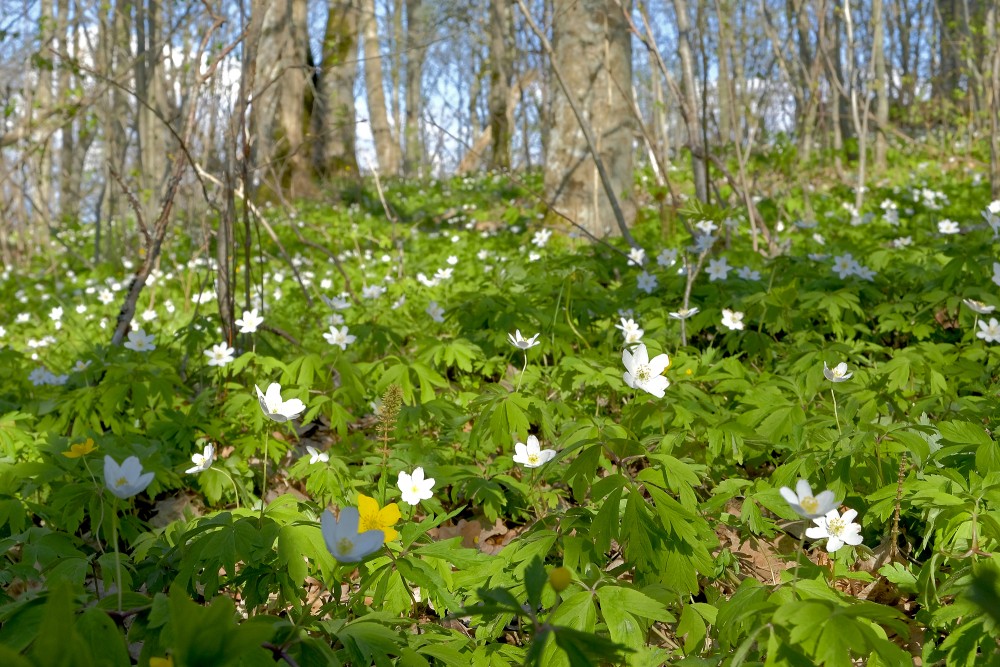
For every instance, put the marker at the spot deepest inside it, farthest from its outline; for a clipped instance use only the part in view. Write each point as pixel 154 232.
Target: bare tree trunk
pixel 279 110
pixel 43 101
pixel 661 128
pixel 336 152
pixel 881 85
pixel 386 146
pixel 591 58
pixel 689 85
pixel 724 80
pixel 394 9
pixel 993 40
pixel 150 93
pixel 501 74
pixel 69 197
pixel 416 20
pixel 836 82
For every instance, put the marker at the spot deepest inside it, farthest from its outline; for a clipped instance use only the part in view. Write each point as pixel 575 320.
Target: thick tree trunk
pixel 592 49
pixel 501 74
pixel 416 21
pixel 279 110
pixel 336 153
pixel 386 146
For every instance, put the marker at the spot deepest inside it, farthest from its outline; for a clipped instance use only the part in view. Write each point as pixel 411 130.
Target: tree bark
pixel 279 110
pixel 386 146
pixel 336 153
pixel 501 75
pixel 881 85
pixel 416 21
pixel 591 57
pixel 689 87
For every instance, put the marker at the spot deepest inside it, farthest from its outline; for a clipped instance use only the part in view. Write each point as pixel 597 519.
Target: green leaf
pixel 621 608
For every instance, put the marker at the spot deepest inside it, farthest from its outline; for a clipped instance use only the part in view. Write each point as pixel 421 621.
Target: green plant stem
pixel 836 415
pixel 523 368
pixel 536 495
pixel 263 492
pixel 406 585
pixel 798 556
pixel 118 555
pixel 236 489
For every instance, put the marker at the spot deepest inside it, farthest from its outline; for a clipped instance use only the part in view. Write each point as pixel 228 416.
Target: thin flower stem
pixel 523 368
pixel 535 495
pixel 798 557
pixel 236 489
pixel 835 413
pixel 413 599
pixel 263 492
pixel 118 556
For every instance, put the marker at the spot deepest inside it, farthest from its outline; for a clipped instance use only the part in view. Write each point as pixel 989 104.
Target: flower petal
pixel 789 496
pixel 816 533
pixel 367 506
pixel 802 489
pixel 348 520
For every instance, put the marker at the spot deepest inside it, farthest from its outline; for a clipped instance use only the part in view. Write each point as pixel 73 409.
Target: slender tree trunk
pixel 336 153
pixel 386 146
pixel 993 40
pixel 395 60
pixel 689 86
pixel 881 85
pixel 501 73
pixel 416 20
pixel 724 80
pixel 43 101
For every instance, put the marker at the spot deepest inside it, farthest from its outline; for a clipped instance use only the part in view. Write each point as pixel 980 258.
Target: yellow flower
pixel 80 449
pixel 373 518
pixel 161 662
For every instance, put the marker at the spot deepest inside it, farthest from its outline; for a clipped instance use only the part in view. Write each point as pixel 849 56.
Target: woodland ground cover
pixel 515 474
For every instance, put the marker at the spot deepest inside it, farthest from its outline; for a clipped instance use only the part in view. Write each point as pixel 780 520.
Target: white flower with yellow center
pixel 805 503
pixel 274 407
pixel 838 373
pixel 643 373
pixel 531 455
pixel 838 530
pixel 414 487
pixel 127 479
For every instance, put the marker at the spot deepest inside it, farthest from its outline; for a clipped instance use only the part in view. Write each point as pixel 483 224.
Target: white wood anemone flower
pixel 838 530
pixel 250 321
pixel 139 341
pixel 274 407
pixel 343 539
pixel 127 479
pixel 644 373
pixel 203 461
pixel 415 487
pixel 805 503
pixel 522 343
pixel 838 373
pixel 531 455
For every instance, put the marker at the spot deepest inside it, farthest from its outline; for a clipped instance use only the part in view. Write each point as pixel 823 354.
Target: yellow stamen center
pixel 809 504
pixel 345 546
pixel 835 526
pixel 121 481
